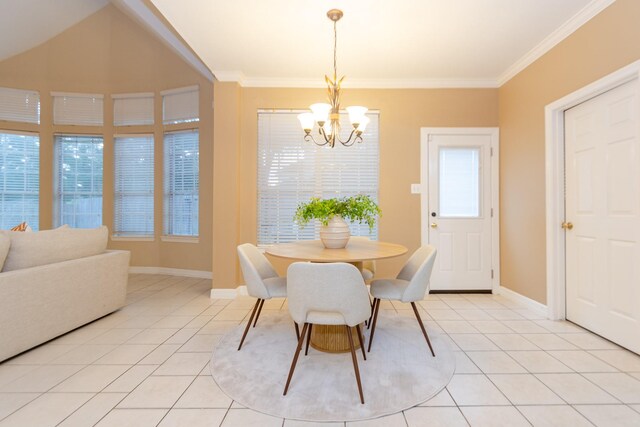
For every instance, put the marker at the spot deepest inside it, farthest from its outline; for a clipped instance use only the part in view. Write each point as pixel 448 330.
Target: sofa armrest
pixel 40 303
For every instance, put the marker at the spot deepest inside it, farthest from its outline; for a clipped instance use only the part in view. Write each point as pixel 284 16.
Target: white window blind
pixel 181 183
pixel 291 171
pixel 133 109
pixel 133 204
pixel 78 181
pixel 180 105
pixel 19 179
pixel 78 109
pixel 19 105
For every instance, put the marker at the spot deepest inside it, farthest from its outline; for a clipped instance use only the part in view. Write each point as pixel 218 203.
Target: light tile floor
pixel 147 365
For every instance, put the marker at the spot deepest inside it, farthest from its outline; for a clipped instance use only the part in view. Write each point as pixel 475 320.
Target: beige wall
pixel 608 42
pixel 226 183
pixel 402 114
pixel 108 53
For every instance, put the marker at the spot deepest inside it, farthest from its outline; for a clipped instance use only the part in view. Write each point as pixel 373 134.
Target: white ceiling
pixel 288 43
pixel 381 43
pixel 27 23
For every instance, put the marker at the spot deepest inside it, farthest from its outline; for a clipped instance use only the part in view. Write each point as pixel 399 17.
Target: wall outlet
pixel 416 189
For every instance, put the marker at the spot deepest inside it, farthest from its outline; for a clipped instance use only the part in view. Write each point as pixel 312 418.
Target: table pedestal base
pixel 333 339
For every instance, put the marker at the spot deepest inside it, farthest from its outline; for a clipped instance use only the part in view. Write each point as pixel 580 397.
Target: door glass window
pixel 459 178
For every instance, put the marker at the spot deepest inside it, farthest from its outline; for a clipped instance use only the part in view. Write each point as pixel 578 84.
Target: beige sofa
pixel 55 281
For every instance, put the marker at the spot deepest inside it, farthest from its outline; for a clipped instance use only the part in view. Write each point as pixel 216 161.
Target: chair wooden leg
pixel 366 322
pixel 297 331
pixel 373 309
pixel 295 358
pixel 355 363
pixel 258 315
pixel 364 354
pixel 253 313
pixel 424 331
pixel 374 321
pixel 306 350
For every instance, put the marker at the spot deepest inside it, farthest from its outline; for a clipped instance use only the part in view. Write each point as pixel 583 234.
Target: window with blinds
pixel 181 183
pixel 133 109
pixel 291 171
pixel 180 105
pixel 78 181
pixel 19 179
pixel 78 109
pixel 18 105
pixel 133 204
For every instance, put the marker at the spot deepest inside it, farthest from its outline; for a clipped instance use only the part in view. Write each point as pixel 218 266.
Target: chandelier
pixel 327 116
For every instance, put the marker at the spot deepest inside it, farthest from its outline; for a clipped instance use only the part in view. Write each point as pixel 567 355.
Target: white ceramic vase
pixel 335 235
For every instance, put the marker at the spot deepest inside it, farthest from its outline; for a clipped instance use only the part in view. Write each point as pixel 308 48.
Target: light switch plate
pixel 415 189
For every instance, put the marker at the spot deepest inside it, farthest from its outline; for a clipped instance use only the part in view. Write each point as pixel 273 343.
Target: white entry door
pixel 457 216
pixel 603 215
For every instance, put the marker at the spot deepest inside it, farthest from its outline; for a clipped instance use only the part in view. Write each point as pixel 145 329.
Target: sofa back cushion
pixel 5 243
pixel 51 246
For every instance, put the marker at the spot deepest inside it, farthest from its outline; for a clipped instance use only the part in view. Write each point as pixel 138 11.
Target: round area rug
pixel 398 374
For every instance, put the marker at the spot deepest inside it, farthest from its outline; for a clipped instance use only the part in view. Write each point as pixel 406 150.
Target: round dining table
pixel 330 338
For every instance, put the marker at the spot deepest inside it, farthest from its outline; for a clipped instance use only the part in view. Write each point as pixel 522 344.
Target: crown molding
pixel 270 82
pixel 561 33
pixel 229 76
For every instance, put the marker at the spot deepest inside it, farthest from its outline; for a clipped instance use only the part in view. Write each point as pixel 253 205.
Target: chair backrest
pixel 329 288
pixel 255 268
pixel 417 271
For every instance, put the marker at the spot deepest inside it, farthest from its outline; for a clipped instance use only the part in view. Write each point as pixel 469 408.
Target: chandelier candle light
pixel 328 115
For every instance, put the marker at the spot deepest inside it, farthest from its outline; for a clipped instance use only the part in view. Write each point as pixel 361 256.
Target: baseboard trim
pixel 459 291
pixel 199 274
pixel 229 293
pixel 531 304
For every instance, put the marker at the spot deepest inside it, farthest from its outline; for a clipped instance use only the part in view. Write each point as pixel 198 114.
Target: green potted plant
pixel 332 213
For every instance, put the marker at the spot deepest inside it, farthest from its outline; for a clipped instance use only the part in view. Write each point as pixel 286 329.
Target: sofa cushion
pixel 51 246
pixel 5 243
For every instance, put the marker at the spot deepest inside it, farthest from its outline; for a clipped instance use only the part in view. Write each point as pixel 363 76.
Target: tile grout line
pixel 154 306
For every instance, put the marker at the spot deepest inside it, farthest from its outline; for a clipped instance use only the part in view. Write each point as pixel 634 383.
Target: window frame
pixel 119 195
pixel 317 188
pixel 58 191
pixel 133 109
pixel 78 109
pixel 20 105
pixel 34 225
pixel 168 192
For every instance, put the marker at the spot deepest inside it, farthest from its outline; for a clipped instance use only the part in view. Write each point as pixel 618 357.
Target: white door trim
pixel 554 174
pixel 495 189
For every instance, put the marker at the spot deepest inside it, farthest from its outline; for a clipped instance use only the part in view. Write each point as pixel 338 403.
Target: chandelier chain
pixel 335 49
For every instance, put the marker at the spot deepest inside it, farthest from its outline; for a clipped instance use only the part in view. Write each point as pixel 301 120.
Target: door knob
pixel 567 226
pixel 434 225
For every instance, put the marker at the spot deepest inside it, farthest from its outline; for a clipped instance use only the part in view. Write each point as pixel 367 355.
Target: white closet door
pixel 603 206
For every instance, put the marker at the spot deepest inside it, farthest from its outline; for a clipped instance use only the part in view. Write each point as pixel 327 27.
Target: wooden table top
pixel 356 250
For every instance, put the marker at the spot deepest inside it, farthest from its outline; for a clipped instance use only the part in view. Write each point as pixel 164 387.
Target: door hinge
pixel 491 151
pixel 491 212
pixel 492 273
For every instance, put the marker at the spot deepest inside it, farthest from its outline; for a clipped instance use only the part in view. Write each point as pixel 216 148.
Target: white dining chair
pixel 262 281
pixel 369 266
pixel 327 294
pixel 411 285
